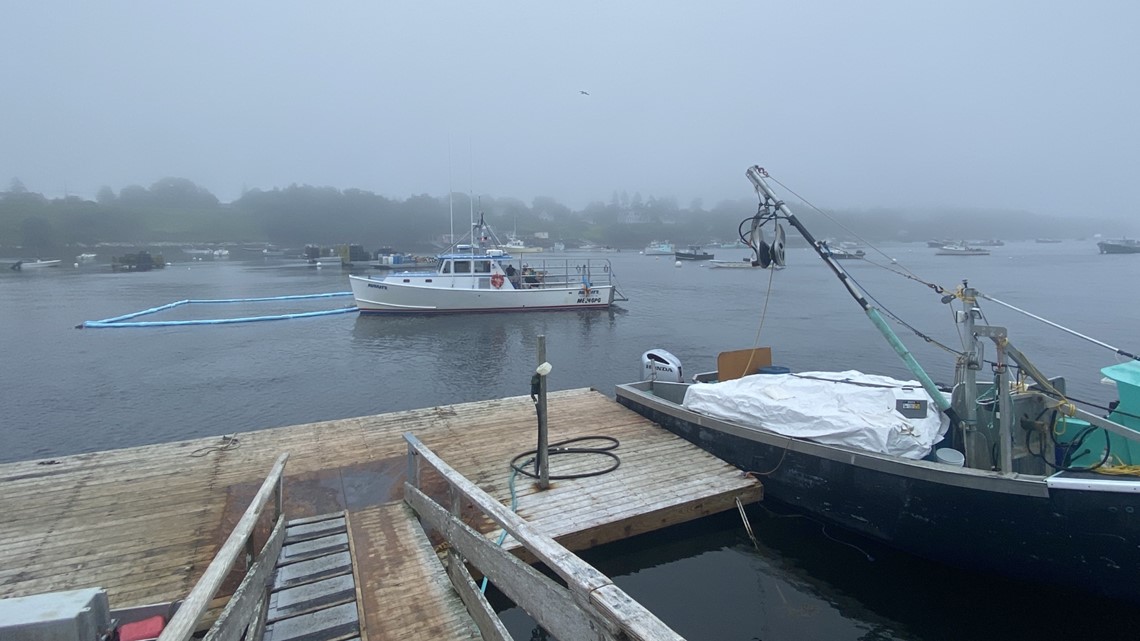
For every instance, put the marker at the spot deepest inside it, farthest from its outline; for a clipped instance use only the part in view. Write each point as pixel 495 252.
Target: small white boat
pixel 962 250
pixel 660 248
pixel 21 265
pixel 730 264
pixel 517 246
pixel 85 258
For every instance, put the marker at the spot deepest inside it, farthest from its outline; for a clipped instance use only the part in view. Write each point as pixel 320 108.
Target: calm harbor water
pixel 67 391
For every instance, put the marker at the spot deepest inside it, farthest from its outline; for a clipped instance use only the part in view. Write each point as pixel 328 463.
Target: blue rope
pixel 514 508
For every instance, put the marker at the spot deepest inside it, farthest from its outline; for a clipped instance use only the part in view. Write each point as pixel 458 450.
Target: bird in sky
pixel 584 93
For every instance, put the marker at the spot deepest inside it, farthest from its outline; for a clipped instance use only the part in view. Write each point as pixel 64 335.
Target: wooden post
pixel 413 468
pixel 541 459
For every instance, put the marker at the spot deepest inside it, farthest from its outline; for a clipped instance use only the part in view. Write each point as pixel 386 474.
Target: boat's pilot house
pixel 465 267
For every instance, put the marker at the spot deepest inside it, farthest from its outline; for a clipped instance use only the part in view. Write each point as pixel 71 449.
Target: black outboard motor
pixel 660 365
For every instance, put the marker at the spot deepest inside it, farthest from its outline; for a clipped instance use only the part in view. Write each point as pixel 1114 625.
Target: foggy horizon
pixel 1021 106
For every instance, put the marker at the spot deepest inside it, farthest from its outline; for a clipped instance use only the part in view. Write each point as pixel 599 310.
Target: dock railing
pixel 589 607
pixel 244 613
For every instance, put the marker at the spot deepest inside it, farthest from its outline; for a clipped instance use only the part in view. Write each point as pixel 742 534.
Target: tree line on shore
pixel 177 210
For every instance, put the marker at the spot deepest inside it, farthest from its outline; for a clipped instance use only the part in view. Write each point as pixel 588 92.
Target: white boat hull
pixel 34 264
pixel 390 295
pixel 730 264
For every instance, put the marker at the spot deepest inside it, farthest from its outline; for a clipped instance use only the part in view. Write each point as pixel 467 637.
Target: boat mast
pixel 450 199
pixel 757 174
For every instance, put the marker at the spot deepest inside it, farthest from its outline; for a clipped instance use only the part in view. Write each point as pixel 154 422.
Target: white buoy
pixel 677 264
pixel 77 265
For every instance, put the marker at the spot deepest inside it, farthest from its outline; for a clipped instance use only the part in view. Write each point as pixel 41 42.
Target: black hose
pixel 557 448
pixel 1071 447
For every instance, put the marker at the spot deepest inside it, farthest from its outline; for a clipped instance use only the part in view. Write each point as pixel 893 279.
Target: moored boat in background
pixel 21 265
pixel 961 249
pixel 694 252
pixel 515 245
pixel 1119 246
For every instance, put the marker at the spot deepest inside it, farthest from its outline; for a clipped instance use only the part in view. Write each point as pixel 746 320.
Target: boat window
pixel 462 267
pixel 482 266
pixel 446 269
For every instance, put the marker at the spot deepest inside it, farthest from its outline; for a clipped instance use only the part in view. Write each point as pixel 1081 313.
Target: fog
pixel 1011 105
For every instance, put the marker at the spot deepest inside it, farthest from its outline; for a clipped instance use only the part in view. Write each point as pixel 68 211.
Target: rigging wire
pixel 1061 327
pixel 900 321
pixel 763 315
pixel 855 234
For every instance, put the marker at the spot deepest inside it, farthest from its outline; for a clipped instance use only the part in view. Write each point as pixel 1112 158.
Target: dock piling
pixel 542 459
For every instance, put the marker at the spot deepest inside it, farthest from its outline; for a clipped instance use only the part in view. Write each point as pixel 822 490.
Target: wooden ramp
pixel 313 597
pixel 144 522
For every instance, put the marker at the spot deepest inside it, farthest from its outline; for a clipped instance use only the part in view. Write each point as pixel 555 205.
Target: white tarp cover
pixel 845 408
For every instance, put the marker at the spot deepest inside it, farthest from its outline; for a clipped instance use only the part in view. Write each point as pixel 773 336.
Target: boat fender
pixel 660 365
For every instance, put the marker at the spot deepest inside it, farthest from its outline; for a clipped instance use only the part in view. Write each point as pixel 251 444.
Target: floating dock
pixel 145 522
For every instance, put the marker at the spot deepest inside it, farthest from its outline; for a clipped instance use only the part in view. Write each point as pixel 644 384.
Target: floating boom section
pixel 757 175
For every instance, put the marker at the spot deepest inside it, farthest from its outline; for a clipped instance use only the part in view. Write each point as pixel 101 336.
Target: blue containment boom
pixel 125 319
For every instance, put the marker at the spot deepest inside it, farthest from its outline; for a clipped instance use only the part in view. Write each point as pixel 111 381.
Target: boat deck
pixel 143 523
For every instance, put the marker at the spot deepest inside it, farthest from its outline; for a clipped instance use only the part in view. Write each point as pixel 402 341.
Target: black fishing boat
pixel 694 252
pixel 1010 477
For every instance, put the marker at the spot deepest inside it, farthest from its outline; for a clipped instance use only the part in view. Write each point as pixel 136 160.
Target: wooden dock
pixel 144 522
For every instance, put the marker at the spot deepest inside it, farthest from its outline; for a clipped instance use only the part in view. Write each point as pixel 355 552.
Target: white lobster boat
pixel 493 281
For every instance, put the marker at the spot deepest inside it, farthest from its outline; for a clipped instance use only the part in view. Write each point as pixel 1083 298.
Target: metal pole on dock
pixel 541 461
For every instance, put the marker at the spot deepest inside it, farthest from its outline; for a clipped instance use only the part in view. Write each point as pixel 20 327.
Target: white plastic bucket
pixel 949 456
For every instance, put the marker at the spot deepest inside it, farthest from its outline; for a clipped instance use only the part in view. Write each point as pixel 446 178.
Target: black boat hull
pixel 1118 248
pixel 981 521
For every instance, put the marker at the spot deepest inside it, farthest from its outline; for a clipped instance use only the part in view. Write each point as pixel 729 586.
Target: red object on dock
pixel 148 628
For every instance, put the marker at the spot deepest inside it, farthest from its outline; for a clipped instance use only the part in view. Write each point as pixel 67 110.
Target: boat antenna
pixel 450 199
pixel 764 255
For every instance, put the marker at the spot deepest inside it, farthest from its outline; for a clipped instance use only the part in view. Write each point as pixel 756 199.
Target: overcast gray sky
pixel 1026 105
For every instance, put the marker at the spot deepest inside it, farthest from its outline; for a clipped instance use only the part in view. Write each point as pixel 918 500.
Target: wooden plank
pixel 741 362
pixel 405 591
pixel 490 626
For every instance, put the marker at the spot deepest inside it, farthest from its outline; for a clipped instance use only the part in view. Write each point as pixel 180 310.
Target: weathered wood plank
pixel 405 591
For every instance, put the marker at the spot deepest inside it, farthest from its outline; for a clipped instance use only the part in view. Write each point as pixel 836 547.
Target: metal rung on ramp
pixel 313 597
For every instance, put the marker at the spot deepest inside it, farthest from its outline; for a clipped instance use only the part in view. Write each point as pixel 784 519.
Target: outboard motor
pixel 660 365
